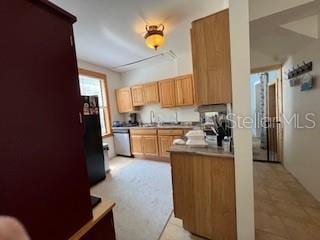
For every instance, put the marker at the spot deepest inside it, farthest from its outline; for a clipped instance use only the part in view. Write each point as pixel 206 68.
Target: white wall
pixel 301 146
pixel 263 8
pixel 240 67
pixel 259 59
pixel 114 82
pixel 182 65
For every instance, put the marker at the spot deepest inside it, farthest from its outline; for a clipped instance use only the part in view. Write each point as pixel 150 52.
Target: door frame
pixel 279 95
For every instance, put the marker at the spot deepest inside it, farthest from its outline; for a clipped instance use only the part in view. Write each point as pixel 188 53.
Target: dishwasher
pixel 122 142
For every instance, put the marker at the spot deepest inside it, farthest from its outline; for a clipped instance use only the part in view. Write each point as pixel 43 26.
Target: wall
pixel 114 82
pixel 240 67
pixel 181 65
pixel 301 146
pixel 263 8
pixel 258 59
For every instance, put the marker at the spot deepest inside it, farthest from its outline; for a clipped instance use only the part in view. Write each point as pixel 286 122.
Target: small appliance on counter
pixel 132 120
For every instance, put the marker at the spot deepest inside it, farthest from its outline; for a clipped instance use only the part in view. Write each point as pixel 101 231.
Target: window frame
pixel 105 95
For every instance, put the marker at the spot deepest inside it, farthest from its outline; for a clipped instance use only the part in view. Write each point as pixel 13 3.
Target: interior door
pixel 274 122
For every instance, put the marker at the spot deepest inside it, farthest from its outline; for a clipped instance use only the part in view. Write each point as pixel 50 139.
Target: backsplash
pixel 185 114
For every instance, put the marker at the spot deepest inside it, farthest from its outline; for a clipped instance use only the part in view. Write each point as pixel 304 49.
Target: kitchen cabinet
pixel 165 139
pixel 184 90
pixel 137 96
pixel 154 142
pixel 167 93
pixel 136 144
pixel 165 143
pixel 144 142
pixel 204 194
pixel 177 91
pixel 151 93
pixel 211 59
pixel 124 100
pixel 150 145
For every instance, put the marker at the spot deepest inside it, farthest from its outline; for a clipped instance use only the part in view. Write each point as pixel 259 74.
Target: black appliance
pixel 93 140
pixel 133 120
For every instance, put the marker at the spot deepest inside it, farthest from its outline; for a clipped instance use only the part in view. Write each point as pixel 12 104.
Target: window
pixel 95 84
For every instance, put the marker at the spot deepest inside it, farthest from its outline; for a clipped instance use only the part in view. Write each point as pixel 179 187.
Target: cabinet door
pixel 184 90
pixel 211 59
pixel 124 100
pixel 165 143
pixel 137 96
pixel 151 93
pixel 136 144
pixel 167 93
pixel 150 145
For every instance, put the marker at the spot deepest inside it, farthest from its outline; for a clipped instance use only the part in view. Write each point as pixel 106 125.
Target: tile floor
pixel 284 210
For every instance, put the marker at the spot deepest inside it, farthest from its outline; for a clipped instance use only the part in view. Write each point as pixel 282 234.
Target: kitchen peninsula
pixel 204 191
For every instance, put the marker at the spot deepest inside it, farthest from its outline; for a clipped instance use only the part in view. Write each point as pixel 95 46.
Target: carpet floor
pixel 142 192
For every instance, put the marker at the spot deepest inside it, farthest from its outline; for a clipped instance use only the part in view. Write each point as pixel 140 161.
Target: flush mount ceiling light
pixel 154 36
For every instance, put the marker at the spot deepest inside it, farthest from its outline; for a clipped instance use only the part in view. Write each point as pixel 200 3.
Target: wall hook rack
pixel 295 72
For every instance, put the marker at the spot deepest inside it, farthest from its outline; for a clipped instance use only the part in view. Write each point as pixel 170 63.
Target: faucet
pixel 152 115
pixel 176 115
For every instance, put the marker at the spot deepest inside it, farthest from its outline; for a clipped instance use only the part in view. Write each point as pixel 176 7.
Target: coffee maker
pixel 133 120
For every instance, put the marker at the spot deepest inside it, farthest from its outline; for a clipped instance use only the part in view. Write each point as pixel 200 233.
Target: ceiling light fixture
pixel 154 37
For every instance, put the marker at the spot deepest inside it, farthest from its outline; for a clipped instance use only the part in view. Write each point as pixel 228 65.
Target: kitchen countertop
pixel 207 151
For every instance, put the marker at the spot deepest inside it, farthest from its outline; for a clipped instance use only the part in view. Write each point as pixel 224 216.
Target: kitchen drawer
pixel 170 132
pixel 143 131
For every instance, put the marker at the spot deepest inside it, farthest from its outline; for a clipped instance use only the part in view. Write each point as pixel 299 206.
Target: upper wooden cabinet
pixel 184 90
pixel 211 59
pixel 137 96
pixel 151 93
pixel 124 100
pixel 173 92
pixel 177 91
pixel 167 93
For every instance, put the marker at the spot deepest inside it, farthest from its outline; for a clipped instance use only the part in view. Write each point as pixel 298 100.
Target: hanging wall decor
pixel 306 82
pixel 295 72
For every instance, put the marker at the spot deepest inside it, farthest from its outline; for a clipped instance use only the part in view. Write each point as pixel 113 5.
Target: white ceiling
pixel 110 32
pixel 285 33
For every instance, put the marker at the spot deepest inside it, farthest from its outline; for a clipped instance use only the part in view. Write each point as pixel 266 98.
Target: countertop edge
pixel 200 151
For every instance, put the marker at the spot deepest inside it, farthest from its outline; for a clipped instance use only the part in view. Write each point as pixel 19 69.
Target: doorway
pixel 266 110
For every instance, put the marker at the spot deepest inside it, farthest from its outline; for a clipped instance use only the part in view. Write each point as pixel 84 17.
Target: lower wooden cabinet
pixel 144 145
pixel 154 143
pixel 150 145
pixel 136 144
pixel 165 143
pixel 204 194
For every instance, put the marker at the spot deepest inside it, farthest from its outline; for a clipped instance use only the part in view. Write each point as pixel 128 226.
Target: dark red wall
pixel 43 178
